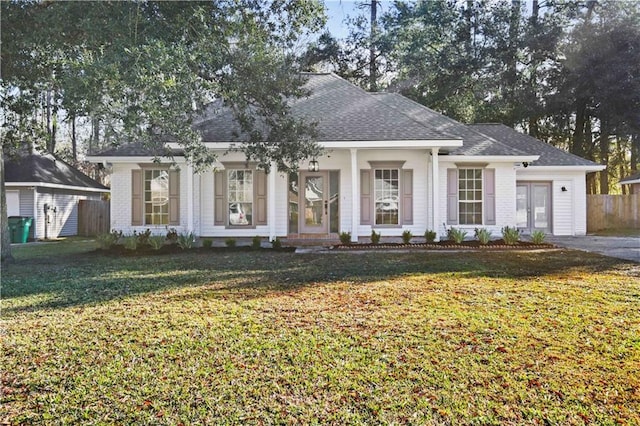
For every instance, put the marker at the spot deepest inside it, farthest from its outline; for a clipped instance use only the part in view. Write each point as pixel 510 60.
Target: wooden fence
pixel 93 217
pixel 613 212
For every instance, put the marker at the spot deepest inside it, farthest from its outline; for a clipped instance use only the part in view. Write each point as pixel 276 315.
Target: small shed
pixel 47 189
pixel 634 183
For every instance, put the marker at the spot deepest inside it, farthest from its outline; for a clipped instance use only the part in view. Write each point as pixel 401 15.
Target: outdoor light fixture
pixel 525 164
pixel 564 189
pixel 314 166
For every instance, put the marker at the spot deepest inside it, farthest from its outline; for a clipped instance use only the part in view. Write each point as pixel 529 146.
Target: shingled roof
pixel 549 155
pixel 342 111
pixel 474 143
pixel 46 169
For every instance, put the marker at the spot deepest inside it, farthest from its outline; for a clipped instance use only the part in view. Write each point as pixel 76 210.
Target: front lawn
pixel 266 337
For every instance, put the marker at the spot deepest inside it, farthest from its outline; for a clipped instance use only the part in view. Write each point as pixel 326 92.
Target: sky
pixel 338 10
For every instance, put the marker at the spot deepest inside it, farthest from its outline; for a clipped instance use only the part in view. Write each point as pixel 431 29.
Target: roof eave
pixel 586 168
pixel 491 158
pixel 57 186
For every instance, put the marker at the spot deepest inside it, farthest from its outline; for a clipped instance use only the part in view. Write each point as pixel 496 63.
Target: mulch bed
pixel 447 245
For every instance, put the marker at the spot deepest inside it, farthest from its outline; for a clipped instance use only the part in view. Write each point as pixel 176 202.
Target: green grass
pixel 266 337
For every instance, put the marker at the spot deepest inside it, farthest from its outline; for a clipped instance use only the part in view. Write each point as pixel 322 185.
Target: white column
pixel 271 197
pixel 435 190
pixel 190 198
pixel 355 195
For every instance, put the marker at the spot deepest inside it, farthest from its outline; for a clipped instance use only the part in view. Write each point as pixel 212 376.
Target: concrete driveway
pixel 627 248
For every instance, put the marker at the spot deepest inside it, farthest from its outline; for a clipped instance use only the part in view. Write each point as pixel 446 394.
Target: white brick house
pixel 390 164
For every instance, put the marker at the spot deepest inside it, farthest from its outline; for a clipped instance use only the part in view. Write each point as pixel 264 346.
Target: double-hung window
pixel 386 194
pixel 240 192
pixel 470 196
pixel 155 196
pixel 240 197
pixel 386 184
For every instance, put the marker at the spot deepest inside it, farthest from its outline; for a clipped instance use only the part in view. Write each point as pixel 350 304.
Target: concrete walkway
pixel 627 248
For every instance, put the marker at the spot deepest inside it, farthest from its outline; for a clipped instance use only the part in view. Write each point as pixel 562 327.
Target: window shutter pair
pixel 489 196
pixel 259 194
pixel 137 197
pixel 367 202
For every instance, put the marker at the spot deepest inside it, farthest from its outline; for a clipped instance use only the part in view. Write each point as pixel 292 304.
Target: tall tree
pixel 145 69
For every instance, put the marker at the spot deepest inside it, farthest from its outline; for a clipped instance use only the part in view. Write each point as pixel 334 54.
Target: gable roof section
pixel 47 170
pixel 474 143
pixel 342 111
pixel 549 155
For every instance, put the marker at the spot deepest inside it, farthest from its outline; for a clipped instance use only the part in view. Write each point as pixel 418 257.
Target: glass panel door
pixel 541 202
pixel 522 207
pixel 315 202
pixel 533 206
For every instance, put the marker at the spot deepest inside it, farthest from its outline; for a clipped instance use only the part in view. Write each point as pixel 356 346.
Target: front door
pixel 315 202
pixel 533 206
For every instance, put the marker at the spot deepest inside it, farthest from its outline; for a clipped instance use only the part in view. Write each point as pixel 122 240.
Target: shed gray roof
pixel 634 178
pixel 46 169
pixel 549 155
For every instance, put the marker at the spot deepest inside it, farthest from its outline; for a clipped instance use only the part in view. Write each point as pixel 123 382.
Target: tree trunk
pixel 5 249
pixel 74 142
pixel 635 152
pixel 373 69
pixel 577 144
pixel 604 156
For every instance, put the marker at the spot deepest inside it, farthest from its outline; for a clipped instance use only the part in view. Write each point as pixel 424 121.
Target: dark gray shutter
pixel 365 197
pixel 452 196
pixel 174 197
pixel 407 197
pixel 489 196
pixel 219 209
pixel 261 197
pixel 137 205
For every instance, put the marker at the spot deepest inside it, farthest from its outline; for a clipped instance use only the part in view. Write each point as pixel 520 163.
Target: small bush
pixel 537 237
pixel 230 242
pixel 106 241
pixel 456 235
pixel 156 242
pixel 256 243
pixel 375 237
pixel 172 235
pixel 131 242
pixel 345 238
pixel 186 240
pixel 510 235
pixel 276 244
pixel 483 235
pixel 143 237
pixel 407 236
pixel 430 236
pixel 207 243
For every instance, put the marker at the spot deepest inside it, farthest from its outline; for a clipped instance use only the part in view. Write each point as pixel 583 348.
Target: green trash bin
pixel 19 228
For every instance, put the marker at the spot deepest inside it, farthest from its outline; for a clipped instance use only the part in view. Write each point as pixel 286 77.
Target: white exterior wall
pixel 568 208
pixel 63 215
pixel 505 192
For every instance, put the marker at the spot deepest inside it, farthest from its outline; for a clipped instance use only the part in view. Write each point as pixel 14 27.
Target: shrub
pixel 345 238
pixel 510 235
pixel 256 243
pixel 186 240
pixel 276 243
pixel 407 236
pixel 430 236
pixel 207 243
pixel 483 235
pixel 537 237
pixel 156 242
pixel 143 237
pixel 131 242
pixel 375 237
pixel 108 240
pixel 172 235
pixel 456 235
pixel 230 242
